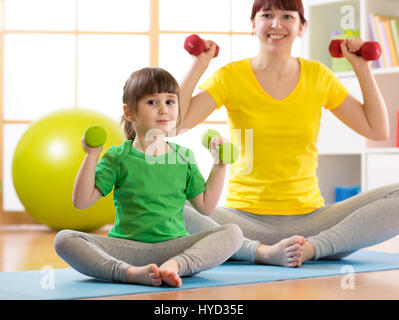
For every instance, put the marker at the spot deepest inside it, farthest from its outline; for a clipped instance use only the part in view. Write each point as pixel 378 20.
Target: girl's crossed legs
pixel 332 232
pixel 124 260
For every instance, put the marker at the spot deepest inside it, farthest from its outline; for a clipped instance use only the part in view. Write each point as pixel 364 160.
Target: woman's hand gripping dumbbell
pixel 195 45
pixel 369 50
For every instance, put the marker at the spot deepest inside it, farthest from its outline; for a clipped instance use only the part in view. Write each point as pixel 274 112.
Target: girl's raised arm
pixel 85 193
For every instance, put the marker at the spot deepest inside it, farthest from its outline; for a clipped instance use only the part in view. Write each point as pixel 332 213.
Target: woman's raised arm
pixel 201 106
pixel 195 109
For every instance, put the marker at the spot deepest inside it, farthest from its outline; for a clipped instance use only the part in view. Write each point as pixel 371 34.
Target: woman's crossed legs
pixel 330 232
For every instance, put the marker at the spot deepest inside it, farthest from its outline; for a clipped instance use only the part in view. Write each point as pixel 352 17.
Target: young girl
pixel 152 179
pixel 280 98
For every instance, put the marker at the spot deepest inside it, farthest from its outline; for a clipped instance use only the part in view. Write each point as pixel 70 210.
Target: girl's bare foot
pixel 288 252
pixel 308 252
pixel 171 278
pixel 170 273
pixel 148 275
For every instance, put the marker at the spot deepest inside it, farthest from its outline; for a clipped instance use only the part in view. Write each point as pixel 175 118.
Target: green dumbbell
pixel 228 152
pixel 95 136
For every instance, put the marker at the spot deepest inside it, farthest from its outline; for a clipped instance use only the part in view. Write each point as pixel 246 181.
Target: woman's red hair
pixel 292 5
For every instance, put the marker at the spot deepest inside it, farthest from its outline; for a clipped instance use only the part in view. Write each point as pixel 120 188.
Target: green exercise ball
pixel 46 161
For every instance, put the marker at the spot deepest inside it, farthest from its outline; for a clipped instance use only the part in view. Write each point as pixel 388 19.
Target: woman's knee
pixel 196 222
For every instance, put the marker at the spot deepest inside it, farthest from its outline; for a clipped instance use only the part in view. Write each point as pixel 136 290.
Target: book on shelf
pixel 385 30
pixel 395 34
pixel 374 37
pixel 392 48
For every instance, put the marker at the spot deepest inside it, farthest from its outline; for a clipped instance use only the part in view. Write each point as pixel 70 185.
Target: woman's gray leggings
pixel 108 258
pixel 335 231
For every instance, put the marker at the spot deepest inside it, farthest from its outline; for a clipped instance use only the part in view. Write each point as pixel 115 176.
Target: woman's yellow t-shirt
pixel 276 171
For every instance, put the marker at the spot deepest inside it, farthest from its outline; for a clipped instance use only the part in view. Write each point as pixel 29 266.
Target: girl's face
pixel 277 29
pixel 156 111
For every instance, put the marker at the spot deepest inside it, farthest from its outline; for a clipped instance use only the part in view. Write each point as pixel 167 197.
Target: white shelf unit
pixel 345 157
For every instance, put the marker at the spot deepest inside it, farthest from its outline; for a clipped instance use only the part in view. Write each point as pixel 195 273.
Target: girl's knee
pixel 62 240
pixel 235 235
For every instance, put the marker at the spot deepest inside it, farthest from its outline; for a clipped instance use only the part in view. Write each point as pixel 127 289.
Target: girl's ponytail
pixel 128 128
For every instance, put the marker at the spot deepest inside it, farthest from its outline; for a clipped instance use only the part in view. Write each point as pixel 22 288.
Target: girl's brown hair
pixel 143 82
pixel 292 5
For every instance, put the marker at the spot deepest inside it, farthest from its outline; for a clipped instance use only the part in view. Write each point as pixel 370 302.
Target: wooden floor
pixel 31 247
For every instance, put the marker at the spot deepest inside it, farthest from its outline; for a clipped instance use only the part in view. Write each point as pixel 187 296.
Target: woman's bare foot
pixel 170 273
pixel 288 252
pixel 148 275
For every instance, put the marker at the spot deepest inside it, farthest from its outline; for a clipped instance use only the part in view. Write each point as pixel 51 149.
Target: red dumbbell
pixel 370 50
pixel 196 45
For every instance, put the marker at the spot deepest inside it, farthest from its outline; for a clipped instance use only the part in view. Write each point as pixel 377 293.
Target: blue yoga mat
pixel 70 284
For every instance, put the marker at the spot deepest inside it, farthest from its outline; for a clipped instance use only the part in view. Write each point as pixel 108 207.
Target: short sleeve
pixel 106 171
pixel 336 92
pixel 195 183
pixel 218 86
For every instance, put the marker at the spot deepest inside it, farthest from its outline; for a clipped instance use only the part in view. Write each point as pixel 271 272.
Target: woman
pixel 279 98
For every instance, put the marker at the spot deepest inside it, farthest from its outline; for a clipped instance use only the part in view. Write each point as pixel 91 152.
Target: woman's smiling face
pixel 277 29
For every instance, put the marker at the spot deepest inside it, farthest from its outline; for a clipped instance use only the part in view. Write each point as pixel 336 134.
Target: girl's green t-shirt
pixel 149 192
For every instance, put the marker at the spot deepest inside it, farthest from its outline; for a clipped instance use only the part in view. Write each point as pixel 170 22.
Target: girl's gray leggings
pixel 335 231
pixel 108 258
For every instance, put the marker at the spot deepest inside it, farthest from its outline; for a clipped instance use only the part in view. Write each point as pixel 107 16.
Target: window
pixel 78 53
